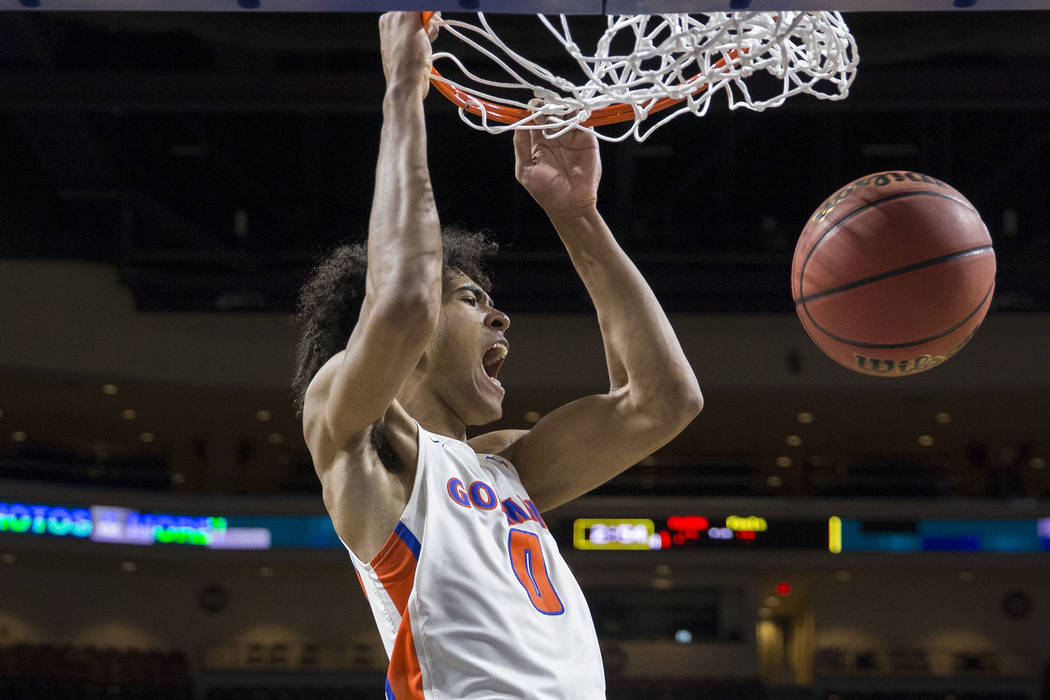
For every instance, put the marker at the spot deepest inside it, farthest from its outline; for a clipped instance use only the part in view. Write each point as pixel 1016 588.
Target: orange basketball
pixel 893 274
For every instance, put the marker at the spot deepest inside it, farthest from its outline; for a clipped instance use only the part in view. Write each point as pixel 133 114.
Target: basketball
pixel 893 274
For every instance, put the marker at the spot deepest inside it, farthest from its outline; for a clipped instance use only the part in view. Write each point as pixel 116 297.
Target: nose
pixel 497 319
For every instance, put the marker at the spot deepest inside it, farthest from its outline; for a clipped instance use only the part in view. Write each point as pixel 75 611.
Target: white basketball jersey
pixel 470 593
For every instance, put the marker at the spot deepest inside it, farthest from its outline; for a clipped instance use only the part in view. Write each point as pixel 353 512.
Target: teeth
pixel 495 381
pixel 501 349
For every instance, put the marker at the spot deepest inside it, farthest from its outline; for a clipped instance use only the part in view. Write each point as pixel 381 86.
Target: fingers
pixel 405 48
pixel 431 24
pixel 536 104
pixel 523 138
pixel 522 150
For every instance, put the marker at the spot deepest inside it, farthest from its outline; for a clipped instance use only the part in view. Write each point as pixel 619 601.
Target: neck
pixel 432 413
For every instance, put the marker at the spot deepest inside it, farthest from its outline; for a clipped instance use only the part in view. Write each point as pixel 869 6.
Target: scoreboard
pixel 726 532
pixel 729 532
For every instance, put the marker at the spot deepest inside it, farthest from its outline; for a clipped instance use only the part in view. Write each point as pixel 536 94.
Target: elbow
pixel 693 403
pixel 673 406
pixel 410 313
pixel 685 404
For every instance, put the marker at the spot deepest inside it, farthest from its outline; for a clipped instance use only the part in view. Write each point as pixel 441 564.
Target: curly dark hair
pixel 330 300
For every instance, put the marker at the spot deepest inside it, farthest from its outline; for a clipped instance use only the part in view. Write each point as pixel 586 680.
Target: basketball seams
pixel 911 343
pixel 833 228
pixel 976 250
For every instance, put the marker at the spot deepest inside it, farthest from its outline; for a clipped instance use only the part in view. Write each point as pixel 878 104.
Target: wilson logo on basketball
pixel 921 363
pixel 879 180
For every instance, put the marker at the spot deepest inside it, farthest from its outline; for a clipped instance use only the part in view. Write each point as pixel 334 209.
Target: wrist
pixel 584 214
pixel 405 86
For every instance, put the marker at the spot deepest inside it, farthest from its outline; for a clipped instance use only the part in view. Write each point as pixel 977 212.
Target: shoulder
pixel 497 442
pixel 366 478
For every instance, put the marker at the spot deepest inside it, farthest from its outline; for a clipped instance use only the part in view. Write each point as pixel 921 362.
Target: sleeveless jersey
pixel 470 593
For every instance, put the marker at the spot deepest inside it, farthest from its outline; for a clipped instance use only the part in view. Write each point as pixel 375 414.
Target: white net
pixel 678 64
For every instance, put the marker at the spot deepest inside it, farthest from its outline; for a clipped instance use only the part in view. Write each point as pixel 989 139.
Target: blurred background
pixel 167 181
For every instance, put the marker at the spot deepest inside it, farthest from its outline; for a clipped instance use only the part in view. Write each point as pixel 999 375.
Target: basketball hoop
pixel 678 63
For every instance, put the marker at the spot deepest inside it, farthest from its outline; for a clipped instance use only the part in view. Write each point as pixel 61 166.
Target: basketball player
pixel 470 593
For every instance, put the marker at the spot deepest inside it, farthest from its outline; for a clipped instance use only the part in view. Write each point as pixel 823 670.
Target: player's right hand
pixel 405 46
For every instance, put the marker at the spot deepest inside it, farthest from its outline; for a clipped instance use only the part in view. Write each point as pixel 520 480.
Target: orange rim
pixel 613 114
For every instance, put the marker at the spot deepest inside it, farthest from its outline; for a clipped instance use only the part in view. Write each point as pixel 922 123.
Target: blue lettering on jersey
pixel 515 513
pixel 481 496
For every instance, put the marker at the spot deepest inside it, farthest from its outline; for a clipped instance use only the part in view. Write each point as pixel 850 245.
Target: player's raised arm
pixel 403 282
pixel 653 392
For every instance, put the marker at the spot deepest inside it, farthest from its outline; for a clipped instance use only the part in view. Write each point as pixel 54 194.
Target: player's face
pixel 467 351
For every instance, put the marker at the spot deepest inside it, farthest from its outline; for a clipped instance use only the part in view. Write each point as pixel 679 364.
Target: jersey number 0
pixel 526 558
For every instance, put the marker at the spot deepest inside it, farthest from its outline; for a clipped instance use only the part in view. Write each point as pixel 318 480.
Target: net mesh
pixel 678 63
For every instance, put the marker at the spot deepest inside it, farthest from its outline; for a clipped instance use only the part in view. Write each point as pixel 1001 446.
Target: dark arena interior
pixel 167 181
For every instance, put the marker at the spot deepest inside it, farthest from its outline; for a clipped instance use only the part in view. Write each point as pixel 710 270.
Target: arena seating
pixel 47 672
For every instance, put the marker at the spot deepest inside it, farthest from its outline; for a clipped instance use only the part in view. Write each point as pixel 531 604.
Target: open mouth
pixel 493 359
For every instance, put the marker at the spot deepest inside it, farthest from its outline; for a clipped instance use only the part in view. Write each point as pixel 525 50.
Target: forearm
pixel 404 233
pixel 642 351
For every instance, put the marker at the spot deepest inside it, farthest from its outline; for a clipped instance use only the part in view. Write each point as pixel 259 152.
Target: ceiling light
pixel 926 440
pixel 943 418
pixel 275 438
pixel 765 613
pixel 783 461
pixel 109 389
pixel 793 440
pixel 7 558
pixel 661 584
pixel 663 570
pixel 1037 463
pixel 266 572
pixel 805 417
pixel 129 566
pixel 129 414
pixel 263 415
pixel 532 416
pixel 147 437
pixel 772 601
pixel 178 478
pixel 19 436
pixel 843 576
pixel 966 577
pixel 774 481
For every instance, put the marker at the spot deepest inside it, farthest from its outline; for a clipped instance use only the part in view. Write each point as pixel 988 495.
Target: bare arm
pixel 653 392
pixel 403 282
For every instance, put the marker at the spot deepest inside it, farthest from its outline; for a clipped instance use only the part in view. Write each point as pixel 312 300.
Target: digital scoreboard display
pixel 725 532
pixel 120 525
pixel 107 524
pixel 912 536
pixel 834 534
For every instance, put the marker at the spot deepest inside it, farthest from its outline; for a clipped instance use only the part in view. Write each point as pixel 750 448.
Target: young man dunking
pixel 400 353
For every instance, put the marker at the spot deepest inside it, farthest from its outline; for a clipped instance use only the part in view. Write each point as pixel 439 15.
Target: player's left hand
pixel 561 174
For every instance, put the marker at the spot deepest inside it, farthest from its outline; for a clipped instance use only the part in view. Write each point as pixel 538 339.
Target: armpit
pixel 381 440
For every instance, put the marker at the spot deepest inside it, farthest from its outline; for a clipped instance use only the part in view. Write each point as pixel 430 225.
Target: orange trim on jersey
pixel 404 676
pixel 395 566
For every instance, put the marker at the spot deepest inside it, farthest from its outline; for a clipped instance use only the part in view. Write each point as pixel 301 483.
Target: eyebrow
pixel 477 292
